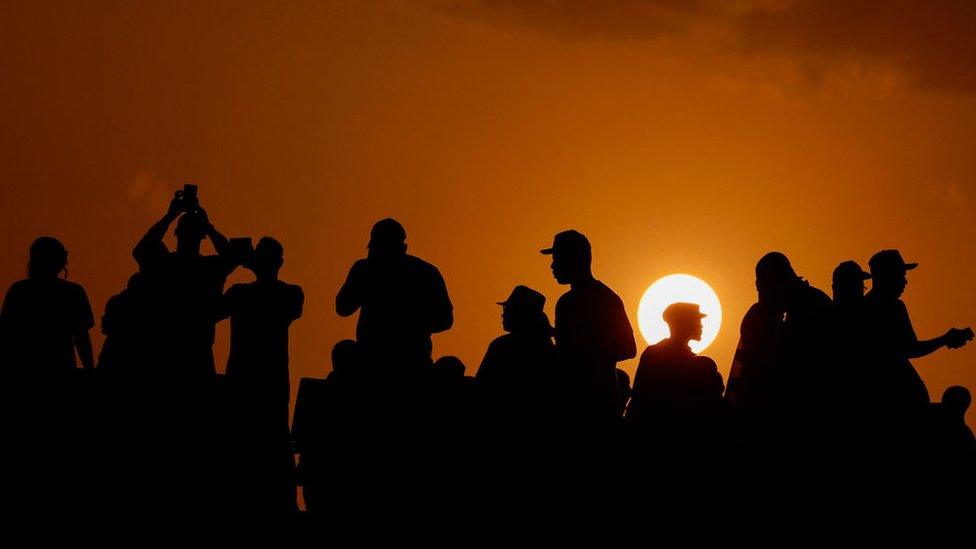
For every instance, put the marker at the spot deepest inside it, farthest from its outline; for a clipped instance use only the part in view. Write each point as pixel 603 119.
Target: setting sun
pixel 677 288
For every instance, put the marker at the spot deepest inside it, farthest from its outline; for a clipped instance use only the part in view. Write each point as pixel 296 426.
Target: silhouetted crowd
pixel 821 392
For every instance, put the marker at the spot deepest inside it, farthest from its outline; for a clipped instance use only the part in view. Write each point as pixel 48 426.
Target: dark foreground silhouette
pixel 823 399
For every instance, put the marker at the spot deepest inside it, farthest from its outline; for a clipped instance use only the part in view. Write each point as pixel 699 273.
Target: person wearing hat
pixel 188 287
pixel 513 374
pixel 677 398
pixel 848 283
pixel 402 300
pixel 845 380
pixel 900 395
pixel 592 333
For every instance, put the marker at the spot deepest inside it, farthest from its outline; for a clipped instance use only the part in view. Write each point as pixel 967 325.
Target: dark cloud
pixel 932 41
pixel 574 19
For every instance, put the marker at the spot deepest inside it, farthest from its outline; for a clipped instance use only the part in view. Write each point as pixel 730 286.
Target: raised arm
pixel 158 230
pixel 219 241
pixel 350 296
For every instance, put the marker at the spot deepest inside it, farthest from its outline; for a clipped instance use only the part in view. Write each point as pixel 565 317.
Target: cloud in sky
pixel 931 41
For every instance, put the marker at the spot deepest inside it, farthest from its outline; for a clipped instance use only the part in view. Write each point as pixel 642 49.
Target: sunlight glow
pixel 677 288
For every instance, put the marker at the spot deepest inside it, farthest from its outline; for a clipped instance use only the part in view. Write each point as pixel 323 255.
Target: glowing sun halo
pixel 677 288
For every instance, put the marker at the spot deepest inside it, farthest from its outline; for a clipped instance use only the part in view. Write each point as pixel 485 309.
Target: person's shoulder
pixel 605 292
pixel 239 287
pixel 20 286
pixel 416 264
pixel 291 288
pixel 70 287
pixel 651 352
pixel 818 297
pixel 500 343
pixel 360 263
pixel 705 362
pixel 292 291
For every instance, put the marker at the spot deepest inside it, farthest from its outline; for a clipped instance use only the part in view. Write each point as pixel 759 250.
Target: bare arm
pixel 158 230
pixel 84 345
pixel 350 297
pixel 441 308
pixel 952 339
pixel 219 241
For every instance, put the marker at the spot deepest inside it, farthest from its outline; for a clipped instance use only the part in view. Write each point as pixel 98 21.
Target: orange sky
pixel 679 136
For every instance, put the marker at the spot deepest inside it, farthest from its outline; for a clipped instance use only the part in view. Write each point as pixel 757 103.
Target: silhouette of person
pixel 402 300
pixel 129 323
pixel 178 385
pixel 677 394
pixel 44 321
pixel 781 341
pixel 192 287
pixel 954 438
pixel 901 395
pixel 848 381
pixel 330 432
pixel 261 313
pixel 848 284
pixel 45 318
pixel 513 375
pixel 592 331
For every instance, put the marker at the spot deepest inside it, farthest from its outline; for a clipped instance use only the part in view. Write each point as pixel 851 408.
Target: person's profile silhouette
pixel 592 332
pixel 513 375
pixel 677 395
pixel 901 396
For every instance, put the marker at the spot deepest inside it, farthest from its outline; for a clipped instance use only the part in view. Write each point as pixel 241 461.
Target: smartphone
pixel 190 200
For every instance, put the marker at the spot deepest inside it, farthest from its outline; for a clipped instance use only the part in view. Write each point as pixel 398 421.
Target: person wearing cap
pixel 189 289
pixel 848 283
pixel 677 398
pixel 592 332
pixel 260 314
pixel 402 300
pixel 900 395
pixel 845 378
pixel 513 374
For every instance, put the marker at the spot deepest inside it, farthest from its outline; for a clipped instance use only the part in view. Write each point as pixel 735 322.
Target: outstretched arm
pixel 952 339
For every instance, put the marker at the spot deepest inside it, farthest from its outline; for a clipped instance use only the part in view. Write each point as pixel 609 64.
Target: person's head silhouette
pixel 523 311
pixel 450 367
pixel 775 278
pixel 888 271
pixel 48 258
pixel 684 321
pixel 848 282
pixel 346 356
pixel 387 239
pixel 571 257
pixel 191 229
pixel 956 400
pixel 269 256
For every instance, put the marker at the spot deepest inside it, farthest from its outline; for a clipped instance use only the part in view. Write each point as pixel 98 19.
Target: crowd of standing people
pixel 818 384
